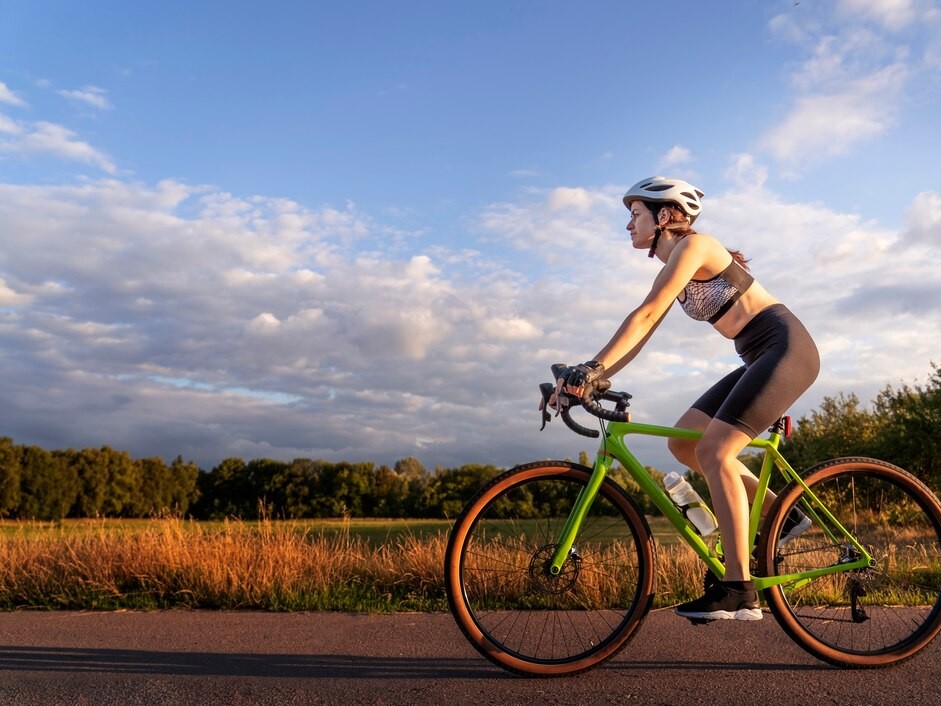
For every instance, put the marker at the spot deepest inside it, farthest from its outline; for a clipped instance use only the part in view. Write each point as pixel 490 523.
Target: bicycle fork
pixel 586 496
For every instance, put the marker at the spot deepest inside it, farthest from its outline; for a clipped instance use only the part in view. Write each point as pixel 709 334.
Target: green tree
pixel 182 490
pixel 911 427
pixel 264 487
pixel 343 489
pixel 389 493
pixel 450 489
pixel 840 427
pixel 297 482
pixel 123 497
pixel 226 491
pixel 154 486
pixel 9 476
pixel 91 470
pixel 48 486
pixel 414 476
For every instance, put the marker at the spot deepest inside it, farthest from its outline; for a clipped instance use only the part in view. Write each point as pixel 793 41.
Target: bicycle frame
pixel 613 447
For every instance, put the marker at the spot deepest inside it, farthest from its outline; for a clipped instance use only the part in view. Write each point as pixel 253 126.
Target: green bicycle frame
pixel 614 447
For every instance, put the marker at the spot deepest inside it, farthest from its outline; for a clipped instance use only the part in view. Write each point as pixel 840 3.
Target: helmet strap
pixel 656 239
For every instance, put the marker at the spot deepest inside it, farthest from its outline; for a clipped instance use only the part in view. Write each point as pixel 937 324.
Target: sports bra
pixel 709 299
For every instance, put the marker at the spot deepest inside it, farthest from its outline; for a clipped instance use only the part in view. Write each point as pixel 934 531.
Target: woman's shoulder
pixel 701 242
pixel 704 252
pixel 704 239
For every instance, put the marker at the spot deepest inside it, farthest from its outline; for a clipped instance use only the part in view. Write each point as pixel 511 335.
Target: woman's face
pixel 641 226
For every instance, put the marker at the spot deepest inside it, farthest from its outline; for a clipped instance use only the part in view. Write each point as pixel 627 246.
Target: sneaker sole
pixel 740 614
pixel 796 531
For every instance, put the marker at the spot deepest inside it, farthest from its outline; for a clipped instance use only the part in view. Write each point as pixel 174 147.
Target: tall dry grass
pixel 266 565
pixel 174 563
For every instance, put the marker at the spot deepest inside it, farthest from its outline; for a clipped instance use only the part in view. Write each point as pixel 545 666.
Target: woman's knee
pixel 719 447
pixel 683 450
pixel 708 456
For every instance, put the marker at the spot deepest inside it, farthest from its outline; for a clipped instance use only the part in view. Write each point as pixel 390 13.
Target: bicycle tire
pixel 862 618
pixel 505 602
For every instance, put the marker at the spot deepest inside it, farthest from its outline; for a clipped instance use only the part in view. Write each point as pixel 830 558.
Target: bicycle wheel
pixel 501 594
pixel 870 617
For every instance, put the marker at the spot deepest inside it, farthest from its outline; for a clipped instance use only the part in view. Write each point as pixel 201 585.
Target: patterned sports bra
pixel 709 299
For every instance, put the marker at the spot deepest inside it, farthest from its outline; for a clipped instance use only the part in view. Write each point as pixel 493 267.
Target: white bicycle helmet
pixel 660 189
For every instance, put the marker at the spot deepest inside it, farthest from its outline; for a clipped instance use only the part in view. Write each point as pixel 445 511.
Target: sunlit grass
pixel 266 565
pixel 374 566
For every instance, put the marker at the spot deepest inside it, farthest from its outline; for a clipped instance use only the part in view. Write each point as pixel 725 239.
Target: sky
pixel 363 231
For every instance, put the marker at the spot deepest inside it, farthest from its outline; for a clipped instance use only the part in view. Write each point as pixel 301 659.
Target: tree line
pixel 902 425
pixel 50 485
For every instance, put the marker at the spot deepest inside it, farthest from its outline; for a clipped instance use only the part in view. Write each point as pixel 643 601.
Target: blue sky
pixel 363 230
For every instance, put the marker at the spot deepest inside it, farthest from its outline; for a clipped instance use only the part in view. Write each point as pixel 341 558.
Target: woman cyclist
pixel 712 284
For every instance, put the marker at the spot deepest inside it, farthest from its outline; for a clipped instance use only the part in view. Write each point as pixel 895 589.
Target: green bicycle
pixel 549 569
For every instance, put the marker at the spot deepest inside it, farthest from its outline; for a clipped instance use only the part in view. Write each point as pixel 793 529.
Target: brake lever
pixel 546 388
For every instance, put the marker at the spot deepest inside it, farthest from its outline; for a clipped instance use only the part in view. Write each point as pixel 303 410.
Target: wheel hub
pixel 542 578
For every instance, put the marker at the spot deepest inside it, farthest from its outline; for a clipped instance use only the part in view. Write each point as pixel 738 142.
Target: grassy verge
pixel 172 563
pixel 373 566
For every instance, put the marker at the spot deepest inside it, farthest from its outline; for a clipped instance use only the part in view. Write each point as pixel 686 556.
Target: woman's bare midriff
pixel 750 304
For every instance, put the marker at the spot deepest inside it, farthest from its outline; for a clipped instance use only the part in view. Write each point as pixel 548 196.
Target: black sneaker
pixel 723 602
pixel 795 524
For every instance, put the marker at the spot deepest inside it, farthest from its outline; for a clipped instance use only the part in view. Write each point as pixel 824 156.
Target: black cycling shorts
pixel 781 362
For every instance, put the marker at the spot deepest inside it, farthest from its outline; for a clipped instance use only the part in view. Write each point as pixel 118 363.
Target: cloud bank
pixel 171 318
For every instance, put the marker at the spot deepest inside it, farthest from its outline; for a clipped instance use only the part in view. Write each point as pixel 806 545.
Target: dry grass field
pixel 375 565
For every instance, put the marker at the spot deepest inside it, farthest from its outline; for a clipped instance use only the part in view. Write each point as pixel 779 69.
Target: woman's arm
pixel 686 259
pixel 614 368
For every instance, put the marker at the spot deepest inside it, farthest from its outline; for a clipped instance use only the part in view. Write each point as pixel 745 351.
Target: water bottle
pixel 688 500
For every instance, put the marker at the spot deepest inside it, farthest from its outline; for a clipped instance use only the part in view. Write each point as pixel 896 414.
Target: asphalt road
pixel 202 657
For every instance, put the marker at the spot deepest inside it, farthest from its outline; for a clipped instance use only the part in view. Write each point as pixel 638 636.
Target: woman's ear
pixel 664 216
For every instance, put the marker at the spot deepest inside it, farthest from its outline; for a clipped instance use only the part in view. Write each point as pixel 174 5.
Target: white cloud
pixel 564 197
pixel 10 298
pixel 554 222
pixel 746 173
pixel 923 222
pixel 9 126
pixel 675 156
pixel 92 96
pixel 828 124
pixel 852 54
pixel 44 138
pixel 10 98
pixel 891 14
pixel 862 61
pixel 510 329
pixel 787 28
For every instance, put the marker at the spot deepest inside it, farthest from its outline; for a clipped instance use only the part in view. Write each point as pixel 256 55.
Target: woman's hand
pixel 574 379
pixel 571 384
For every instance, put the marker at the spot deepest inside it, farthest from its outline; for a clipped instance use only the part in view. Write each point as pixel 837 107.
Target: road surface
pixel 207 657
